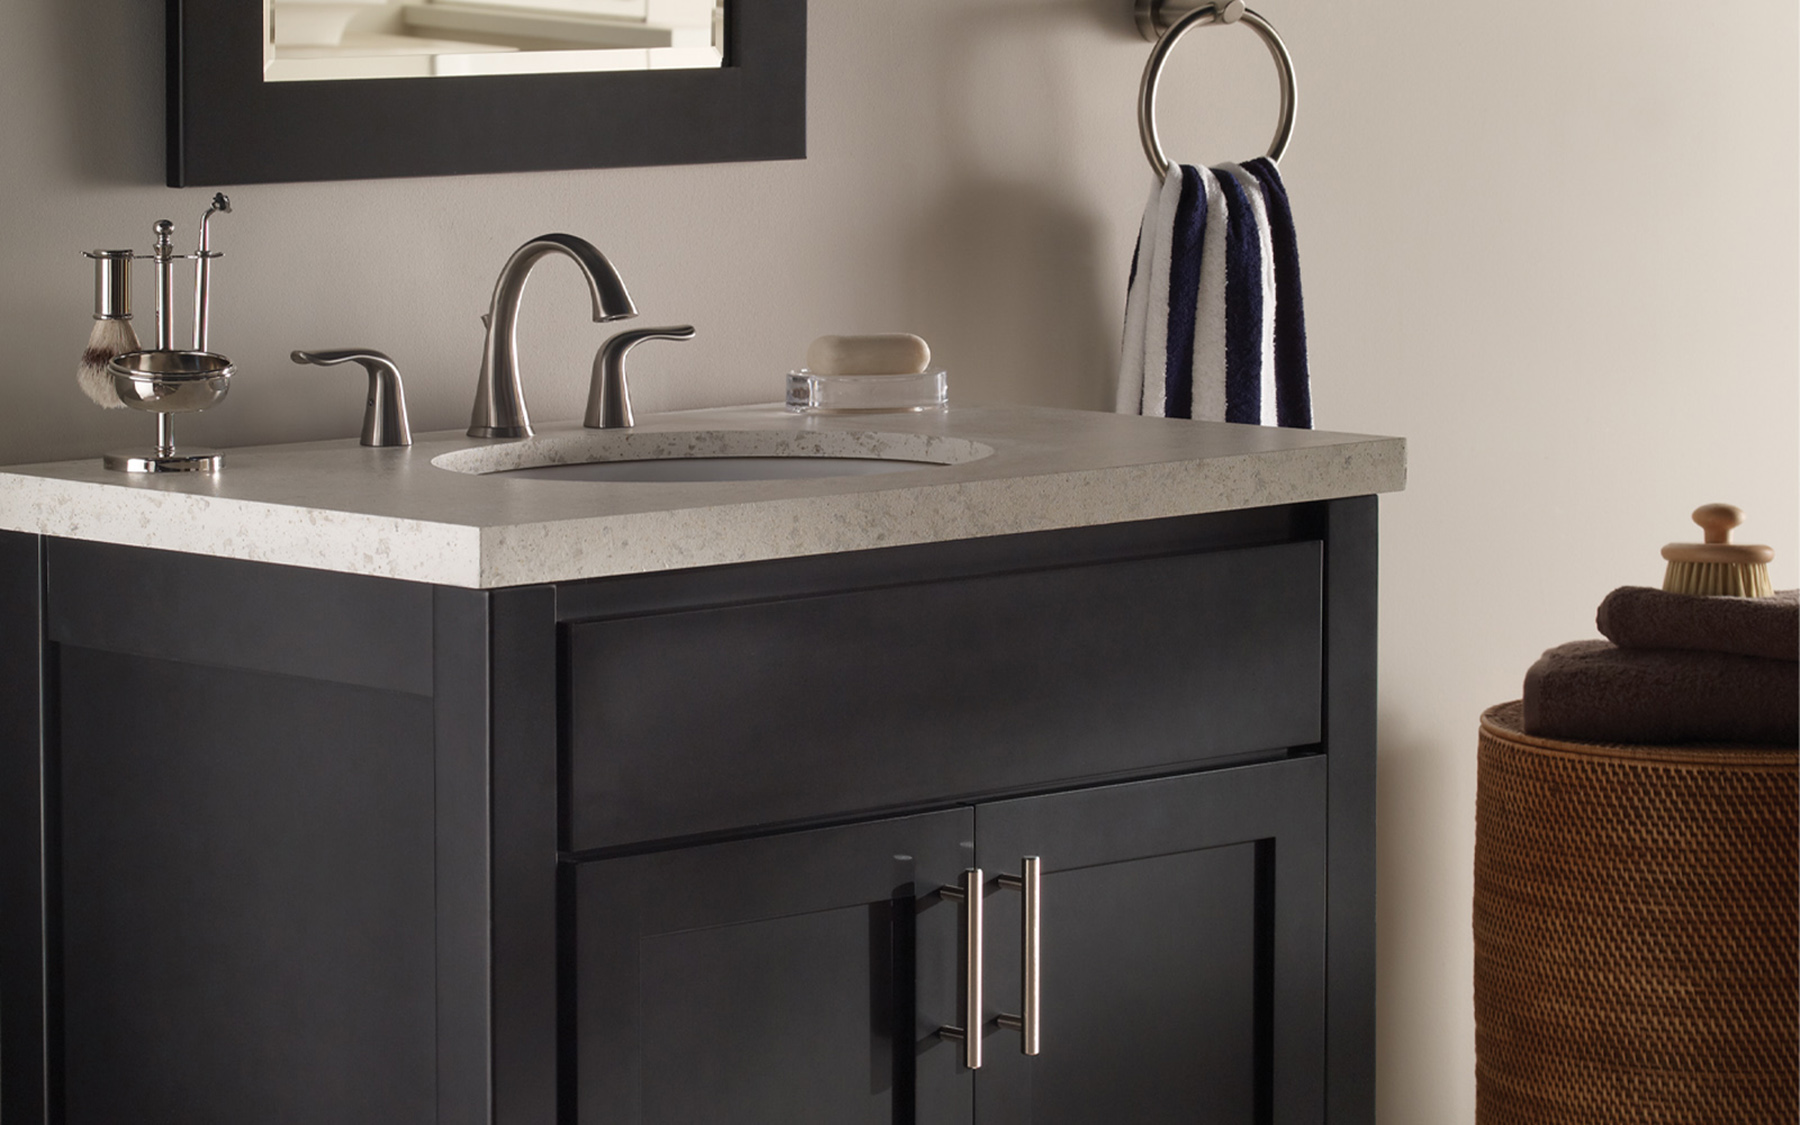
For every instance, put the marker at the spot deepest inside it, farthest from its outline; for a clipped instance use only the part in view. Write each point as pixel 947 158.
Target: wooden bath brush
pixel 1718 566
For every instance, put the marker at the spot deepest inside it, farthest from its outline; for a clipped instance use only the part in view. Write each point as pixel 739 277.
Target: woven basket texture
pixel 1637 932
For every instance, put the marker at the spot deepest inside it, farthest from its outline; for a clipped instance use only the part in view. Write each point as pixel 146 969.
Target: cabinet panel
pixel 1152 972
pixel 247 886
pixel 704 720
pixel 780 980
pixel 1183 955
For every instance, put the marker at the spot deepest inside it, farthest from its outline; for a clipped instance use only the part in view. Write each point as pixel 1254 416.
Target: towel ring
pixel 1228 11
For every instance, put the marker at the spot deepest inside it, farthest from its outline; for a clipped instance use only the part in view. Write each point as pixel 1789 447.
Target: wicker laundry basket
pixel 1637 929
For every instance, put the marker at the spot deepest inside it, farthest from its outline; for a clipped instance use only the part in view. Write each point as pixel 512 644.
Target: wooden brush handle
pixel 1717 520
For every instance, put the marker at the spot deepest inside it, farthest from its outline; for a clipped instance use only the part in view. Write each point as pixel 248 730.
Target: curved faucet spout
pixel 499 399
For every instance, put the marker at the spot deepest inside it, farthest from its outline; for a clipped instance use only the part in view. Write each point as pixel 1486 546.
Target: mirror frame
pixel 227 126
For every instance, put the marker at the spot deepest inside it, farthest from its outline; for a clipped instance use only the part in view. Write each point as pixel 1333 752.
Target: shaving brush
pixel 112 335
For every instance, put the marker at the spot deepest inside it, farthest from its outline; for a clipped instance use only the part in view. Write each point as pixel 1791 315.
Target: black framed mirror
pixel 228 125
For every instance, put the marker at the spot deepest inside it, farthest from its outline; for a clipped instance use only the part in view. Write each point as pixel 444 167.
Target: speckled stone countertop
pixel 335 505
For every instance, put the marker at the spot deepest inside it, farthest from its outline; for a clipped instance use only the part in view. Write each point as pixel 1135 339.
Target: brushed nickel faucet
pixel 499 402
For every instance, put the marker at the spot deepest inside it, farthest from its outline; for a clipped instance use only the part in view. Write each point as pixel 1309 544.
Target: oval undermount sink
pixel 675 456
pixel 719 468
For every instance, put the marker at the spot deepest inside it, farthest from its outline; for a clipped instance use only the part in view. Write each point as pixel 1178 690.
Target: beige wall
pixel 1556 249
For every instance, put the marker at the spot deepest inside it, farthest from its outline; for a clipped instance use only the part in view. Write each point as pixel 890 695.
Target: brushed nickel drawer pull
pixel 1029 883
pixel 969 894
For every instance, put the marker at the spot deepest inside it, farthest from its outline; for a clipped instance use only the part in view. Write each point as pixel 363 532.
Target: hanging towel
pixel 1130 397
pixel 1171 398
pixel 1144 354
pixel 1206 335
pixel 1264 314
pixel 1168 317
pixel 1246 325
pixel 1293 386
pixel 1207 376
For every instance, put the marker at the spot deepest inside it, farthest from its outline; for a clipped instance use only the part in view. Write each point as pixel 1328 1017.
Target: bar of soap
pixel 889 353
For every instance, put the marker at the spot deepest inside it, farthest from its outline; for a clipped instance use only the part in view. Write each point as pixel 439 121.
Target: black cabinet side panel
pixel 247 897
pixel 348 628
pixel 1350 661
pixel 524 886
pixel 461 714
pixel 25 1071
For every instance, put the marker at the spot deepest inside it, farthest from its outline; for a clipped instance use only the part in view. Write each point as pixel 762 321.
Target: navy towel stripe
pixel 1243 305
pixel 1184 294
pixel 1293 385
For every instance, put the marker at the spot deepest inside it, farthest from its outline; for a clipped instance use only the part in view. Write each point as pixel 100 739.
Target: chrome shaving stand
pixel 166 381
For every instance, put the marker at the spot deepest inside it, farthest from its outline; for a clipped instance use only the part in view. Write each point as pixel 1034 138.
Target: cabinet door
pixel 1183 951
pixel 774 981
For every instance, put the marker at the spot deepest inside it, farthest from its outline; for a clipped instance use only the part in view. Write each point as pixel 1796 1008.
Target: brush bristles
pixel 109 338
pixel 1731 580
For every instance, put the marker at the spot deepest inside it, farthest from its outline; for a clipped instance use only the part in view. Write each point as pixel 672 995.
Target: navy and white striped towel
pixel 1214 324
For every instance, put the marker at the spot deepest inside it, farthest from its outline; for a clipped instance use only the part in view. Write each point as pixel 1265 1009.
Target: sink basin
pixel 719 468
pixel 634 456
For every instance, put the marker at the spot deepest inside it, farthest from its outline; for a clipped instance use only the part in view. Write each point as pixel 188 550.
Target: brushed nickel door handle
pixel 1029 882
pixel 969 894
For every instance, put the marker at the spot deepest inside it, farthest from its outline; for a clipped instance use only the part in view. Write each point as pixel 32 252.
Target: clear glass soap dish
pixel 809 393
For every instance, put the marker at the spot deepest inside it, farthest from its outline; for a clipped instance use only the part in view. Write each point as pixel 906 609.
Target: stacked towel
pixel 1676 668
pixel 1594 691
pixel 1215 327
pixel 1642 617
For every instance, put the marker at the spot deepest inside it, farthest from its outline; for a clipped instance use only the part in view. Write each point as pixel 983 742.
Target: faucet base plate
pixel 169 461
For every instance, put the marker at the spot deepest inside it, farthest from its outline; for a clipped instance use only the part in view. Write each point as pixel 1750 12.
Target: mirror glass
pixel 324 40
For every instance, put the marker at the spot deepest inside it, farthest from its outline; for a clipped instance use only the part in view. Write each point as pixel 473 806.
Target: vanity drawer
pixel 771 712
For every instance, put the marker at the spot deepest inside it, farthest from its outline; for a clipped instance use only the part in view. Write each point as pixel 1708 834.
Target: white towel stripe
pixel 1209 316
pixel 1156 337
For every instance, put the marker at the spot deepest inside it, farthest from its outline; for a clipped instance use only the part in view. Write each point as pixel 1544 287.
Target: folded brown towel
pixel 1594 692
pixel 1640 617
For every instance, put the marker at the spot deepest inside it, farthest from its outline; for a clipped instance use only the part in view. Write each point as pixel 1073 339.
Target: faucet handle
pixel 384 419
pixel 609 397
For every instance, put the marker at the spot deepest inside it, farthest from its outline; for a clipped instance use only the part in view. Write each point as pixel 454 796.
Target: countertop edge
pixel 737 533
pixel 472 556
pixel 248 530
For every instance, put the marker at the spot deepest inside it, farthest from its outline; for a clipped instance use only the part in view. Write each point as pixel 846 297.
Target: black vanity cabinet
pixel 287 845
